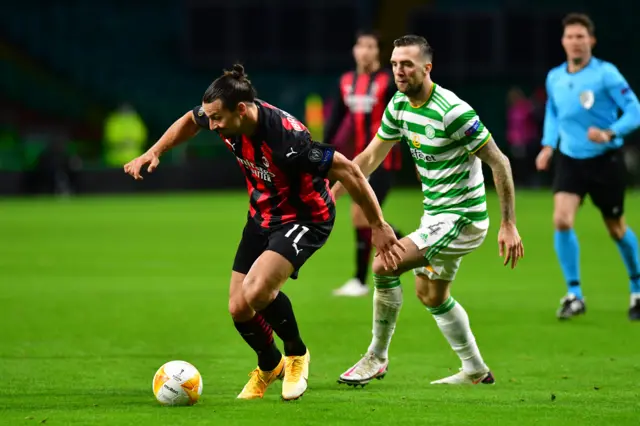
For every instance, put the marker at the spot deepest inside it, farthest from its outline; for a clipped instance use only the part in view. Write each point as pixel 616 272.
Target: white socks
pixel 451 318
pixel 454 324
pixel 387 301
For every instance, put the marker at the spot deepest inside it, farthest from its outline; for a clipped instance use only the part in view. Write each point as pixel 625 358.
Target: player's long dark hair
pixel 231 88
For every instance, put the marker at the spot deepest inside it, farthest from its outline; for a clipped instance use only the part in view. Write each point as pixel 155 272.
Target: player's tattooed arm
pixel 509 242
pixel 502 177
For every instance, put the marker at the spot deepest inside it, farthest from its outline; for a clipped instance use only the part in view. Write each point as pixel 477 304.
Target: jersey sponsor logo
pixel 257 171
pixel 415 141
pixel 419 155
pixel 429 131
pixel 474 128
pixel 587 99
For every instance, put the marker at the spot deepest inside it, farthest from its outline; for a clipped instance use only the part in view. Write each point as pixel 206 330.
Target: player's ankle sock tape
pixel 383 281
pixel 444 308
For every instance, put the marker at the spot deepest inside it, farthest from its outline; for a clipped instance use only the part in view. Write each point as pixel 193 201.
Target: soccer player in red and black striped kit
pixel 362 97
pixel 291 214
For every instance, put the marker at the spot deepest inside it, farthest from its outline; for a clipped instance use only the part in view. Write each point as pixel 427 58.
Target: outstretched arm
pixel 509 241
pixel 383 237
pixel 355 182
pixel 367 161
pixel 183 129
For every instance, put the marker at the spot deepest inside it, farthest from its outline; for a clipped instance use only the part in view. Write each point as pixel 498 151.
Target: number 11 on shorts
pixel 303 231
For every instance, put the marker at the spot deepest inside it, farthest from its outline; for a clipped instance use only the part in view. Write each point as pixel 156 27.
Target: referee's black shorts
pixel 603 178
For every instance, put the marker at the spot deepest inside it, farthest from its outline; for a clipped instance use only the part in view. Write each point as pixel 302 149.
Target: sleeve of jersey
pixel 389 126
pixel 462 124
pixel 627 101
pixel 305 155
pixel 201 118
pixel 550 129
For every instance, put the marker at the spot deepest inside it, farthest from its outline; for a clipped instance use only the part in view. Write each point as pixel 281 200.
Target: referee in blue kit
pixel 583 130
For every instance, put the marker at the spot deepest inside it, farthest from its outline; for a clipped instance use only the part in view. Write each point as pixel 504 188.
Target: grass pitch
pixel 97 293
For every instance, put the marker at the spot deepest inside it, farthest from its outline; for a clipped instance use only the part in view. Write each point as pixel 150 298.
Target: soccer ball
pixel 177 383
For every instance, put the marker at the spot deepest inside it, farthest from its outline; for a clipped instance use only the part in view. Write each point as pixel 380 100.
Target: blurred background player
pixel 359 104
pixel 582 124
pixel 291 216
pixel 448 142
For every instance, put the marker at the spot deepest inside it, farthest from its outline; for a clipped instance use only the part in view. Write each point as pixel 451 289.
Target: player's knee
pixel 257 292
pixel 239 309
pixel 616 228
pixel 378 267
pixel 562 221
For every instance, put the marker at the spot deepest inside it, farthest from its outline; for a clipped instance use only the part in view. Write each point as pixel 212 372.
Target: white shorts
pixel 448 238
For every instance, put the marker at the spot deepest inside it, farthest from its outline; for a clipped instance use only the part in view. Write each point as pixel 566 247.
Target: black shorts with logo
pixel 603 178
pixel 295 241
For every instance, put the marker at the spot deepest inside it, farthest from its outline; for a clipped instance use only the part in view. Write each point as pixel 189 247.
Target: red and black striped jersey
pixel 285 170
pixel 363 98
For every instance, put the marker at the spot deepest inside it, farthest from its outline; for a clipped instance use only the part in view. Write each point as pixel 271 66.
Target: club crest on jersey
pixel 200 112
pixel 429 131
pixel 587 99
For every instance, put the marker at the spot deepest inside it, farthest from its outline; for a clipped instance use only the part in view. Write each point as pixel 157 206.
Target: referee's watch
pixel 611 134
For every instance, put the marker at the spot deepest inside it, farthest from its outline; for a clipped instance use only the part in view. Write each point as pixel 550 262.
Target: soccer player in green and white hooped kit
pixel 447 141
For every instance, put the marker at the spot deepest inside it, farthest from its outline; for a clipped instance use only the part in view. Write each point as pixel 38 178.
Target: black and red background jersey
pixel 362 99
pixel 285 170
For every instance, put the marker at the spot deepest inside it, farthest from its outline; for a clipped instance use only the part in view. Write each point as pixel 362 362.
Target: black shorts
pixel 295 241
pixel 381 181
pixel 603 178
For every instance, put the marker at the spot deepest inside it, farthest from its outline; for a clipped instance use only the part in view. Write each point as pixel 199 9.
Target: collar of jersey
pixel 433 89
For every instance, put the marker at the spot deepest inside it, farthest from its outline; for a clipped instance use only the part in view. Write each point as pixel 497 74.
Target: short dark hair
pixel 370 33
pixel 415 40
pixel 579 19
pixel 231 88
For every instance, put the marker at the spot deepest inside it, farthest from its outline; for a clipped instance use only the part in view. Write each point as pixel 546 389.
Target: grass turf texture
pixel 97 293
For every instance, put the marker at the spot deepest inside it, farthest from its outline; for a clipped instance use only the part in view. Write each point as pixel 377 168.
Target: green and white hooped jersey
pixel 442 134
